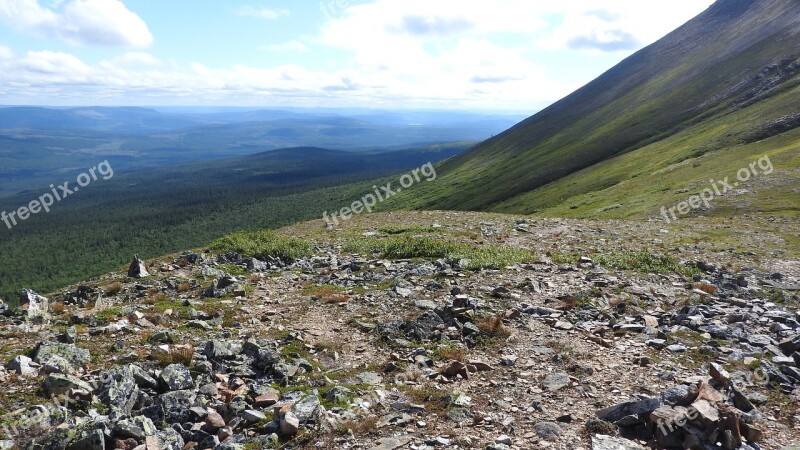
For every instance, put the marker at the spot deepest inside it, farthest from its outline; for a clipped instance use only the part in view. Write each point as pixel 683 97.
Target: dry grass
pixel 328 294
pixel 493 326
pixel 178 354
pixel 707 288
pixel 114 288
pixel 57 308
pixel 452 353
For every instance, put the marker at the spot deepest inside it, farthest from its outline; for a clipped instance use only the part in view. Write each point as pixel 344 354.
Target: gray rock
pixel 370 378
pixel 171 440
pixel 636 406
pixel 338 394
pixel 176 377
pixel 119 391
pixel 21 365
pixel 89 440
pixel 137 268
pixel 556 381
pixel 759 340
pixel 74 356
pixel 547 430
pixel 290 424
pixel 37 305
pixel 424 327
pixel 136 428
pixel 603 442
pixel 306 409
pixel 678 396
pixel 253 416
pixel 176 405
pixel 59 384
pixel 676 348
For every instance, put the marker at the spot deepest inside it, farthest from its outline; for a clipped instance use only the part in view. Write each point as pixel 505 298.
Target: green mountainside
pixel 708 99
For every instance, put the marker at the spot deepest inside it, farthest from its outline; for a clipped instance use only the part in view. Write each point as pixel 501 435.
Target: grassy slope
pixel 678 99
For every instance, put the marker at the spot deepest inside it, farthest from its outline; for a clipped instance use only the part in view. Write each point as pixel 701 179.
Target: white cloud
pixel 447 53
pixel 136 59
pixel 78 22
pixel 5 52
pixel 262 12
pixel 290 46
pixel 617 25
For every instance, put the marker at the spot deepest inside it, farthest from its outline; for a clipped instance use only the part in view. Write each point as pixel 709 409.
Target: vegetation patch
pixel 262 244
pixel 643 261
pixel 468 257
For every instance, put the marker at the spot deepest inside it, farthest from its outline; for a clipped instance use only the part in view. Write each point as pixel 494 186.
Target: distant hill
pixel 699 104
pixel 39 146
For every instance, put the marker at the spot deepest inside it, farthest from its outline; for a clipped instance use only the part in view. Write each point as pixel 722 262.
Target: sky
pixel 509 55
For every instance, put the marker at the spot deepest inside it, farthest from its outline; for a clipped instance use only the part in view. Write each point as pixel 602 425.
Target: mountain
pixel 708 99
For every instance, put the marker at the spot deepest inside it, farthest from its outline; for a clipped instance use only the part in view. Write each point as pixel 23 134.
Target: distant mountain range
pixel 39 146
pixel 703 102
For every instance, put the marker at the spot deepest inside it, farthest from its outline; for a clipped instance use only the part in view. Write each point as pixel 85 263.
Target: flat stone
pixel 253 416
pixel 603 442
pixel 556 381
pixel 643 405
pixel 60 384
pixel 759 340
pixel 391 443
pixel 547 430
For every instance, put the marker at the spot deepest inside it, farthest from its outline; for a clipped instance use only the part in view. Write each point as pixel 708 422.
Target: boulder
pixel 137 268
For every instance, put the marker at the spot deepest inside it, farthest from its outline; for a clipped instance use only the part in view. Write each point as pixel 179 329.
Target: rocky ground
pixel 526 333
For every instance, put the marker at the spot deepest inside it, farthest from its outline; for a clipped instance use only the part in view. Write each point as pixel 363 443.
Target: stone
pixel 547 430
pixel 74 356
pixel 176 405
pixel 119 391
pixel 636 406
pixel 136 428
pixel 37 305
pixel 267 399
pixel 214 421
pixel 59 384
pixel 137 269
pixel 21 365
pixel 454 369
pixel 508 360
pixel 706 412
pixel 556 381
pixel 253 416
pixel 657 344
pixel 290 424
pixel 719 374
pixel 676 348
pixel 176 377
pixel 603 442
pixel 759 340
pixel 681 395
pixel 480 366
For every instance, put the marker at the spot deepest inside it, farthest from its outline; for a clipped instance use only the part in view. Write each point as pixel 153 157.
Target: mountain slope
pixel 720 82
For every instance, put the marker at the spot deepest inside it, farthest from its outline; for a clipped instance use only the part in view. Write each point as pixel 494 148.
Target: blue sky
pixel 511 55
